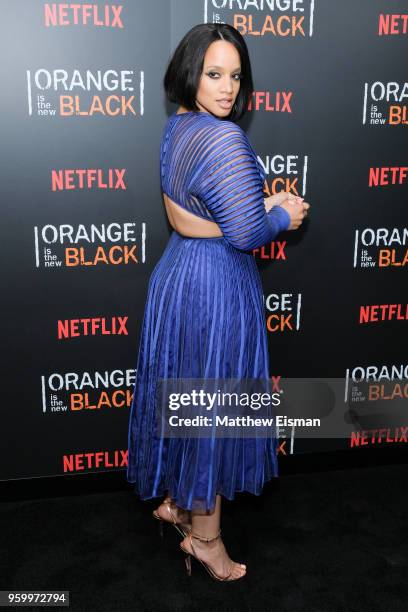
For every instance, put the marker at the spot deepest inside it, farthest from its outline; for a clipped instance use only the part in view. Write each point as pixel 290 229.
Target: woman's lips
pixel 225 103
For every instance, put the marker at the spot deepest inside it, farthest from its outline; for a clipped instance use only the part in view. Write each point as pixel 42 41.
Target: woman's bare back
pixel 187 223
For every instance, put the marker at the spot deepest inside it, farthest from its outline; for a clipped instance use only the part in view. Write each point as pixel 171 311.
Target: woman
pixel 204 315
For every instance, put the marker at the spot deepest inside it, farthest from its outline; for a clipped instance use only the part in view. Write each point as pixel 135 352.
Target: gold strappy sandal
pixel 172 520
pixel 207 567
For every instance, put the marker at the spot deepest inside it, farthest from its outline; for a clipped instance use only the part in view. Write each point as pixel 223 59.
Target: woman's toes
pixel 239 570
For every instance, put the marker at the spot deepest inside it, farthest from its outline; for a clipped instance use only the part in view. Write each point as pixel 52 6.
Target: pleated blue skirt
pixel 204 318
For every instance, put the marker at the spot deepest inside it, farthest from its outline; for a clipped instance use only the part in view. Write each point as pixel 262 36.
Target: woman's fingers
pixel 297 200
pixel 299 212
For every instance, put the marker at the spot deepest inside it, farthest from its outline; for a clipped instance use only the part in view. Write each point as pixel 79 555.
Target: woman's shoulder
pixel 221 125
pixel 222 131
pixel 198 128
pixel 191 119
pixel 225 140
pixel 205 136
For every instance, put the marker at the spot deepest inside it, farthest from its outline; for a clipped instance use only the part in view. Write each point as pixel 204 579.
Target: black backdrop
pixel 70 329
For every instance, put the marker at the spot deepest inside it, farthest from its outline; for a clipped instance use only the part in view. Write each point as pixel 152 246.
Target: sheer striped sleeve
pixel 229 183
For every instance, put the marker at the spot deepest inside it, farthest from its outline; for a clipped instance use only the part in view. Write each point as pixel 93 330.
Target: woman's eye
pixel 211 74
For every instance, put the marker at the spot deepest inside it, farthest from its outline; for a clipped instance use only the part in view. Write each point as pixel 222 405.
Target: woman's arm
pixel 228 182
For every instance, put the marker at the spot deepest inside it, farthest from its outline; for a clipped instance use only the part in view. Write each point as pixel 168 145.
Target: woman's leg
pixel 213 553
pixel 182 516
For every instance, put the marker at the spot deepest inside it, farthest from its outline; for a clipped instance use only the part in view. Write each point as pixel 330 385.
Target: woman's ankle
pixel 213 545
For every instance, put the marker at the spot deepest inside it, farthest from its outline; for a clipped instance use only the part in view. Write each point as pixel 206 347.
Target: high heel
pixel 161 527
pixel 172 521
pixel 187 559
pixel 189 554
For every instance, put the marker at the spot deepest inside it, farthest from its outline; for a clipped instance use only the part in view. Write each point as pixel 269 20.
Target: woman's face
pixel 220 80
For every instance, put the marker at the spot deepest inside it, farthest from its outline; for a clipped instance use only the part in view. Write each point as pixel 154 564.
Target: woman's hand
pixel 294 205
pixel 297 209
pixel 277 199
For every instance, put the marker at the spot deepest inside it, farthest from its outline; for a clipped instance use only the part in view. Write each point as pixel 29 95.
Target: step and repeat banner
pixel 83 223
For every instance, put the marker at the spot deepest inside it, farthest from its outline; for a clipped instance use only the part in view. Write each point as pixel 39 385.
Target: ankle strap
pixel 204 538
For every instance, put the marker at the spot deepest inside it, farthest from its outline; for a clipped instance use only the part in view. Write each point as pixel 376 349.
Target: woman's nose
pixel 227 85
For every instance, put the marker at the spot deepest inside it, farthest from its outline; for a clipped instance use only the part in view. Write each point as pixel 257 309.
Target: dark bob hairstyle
pixel 184 70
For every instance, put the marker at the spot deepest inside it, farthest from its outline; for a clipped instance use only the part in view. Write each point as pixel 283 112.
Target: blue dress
pixel 204 315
